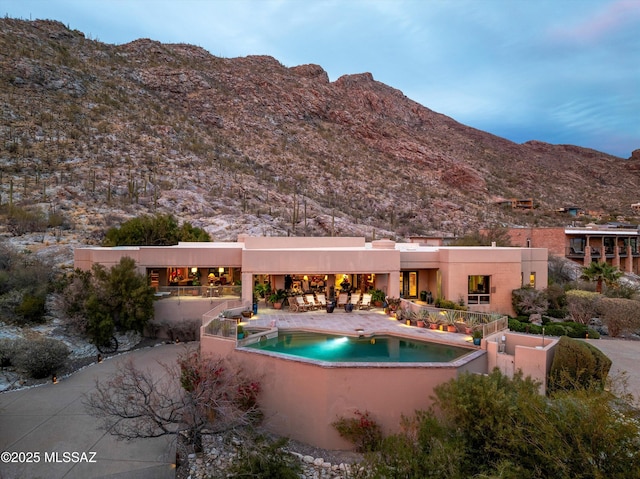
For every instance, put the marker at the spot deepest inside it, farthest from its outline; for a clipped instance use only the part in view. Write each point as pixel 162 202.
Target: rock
pixel 308 459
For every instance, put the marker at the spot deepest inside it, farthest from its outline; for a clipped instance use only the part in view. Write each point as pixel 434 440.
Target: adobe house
pixel 615 244
pixel 480 277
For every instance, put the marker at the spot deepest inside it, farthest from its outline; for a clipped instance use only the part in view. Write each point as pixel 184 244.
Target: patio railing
pixel 199 291
pixel 492 322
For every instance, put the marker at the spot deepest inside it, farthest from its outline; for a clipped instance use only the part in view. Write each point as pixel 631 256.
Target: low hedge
pixel 566 328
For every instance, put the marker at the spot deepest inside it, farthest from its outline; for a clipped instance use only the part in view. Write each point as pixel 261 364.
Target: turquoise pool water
pixel 335 348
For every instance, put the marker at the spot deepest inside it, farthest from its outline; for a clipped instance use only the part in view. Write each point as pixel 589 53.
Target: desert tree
pixel 195 394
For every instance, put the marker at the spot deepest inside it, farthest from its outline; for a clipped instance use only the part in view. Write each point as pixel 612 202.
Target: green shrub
pixel 557 313
pixel 593 334
pixel 524 327
pixel 41 357
pixel 555 329
pixel 31 309
pixel 577 364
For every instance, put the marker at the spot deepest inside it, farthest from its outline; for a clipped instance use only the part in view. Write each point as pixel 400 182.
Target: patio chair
pixel 343 298
pixel 300 303
pixel 311 301
pixel 322 300
pixel 365 303
pixel 355 300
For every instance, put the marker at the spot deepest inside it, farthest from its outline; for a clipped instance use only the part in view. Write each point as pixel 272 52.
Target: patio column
pixel 629 260
pixel 587 253
pixel 247 288
pixel 616 258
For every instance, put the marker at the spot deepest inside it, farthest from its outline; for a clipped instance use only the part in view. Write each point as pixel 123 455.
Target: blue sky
pixel 559 71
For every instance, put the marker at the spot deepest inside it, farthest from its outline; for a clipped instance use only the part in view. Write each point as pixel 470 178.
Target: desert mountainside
pixel 93 134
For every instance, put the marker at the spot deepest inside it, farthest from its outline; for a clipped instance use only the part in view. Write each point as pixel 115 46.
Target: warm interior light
pixel 194 270
pixel 326 277
pixel 305 277
pixel 220 270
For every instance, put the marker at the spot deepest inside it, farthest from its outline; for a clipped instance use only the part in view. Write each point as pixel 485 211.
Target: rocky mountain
pixel 93 134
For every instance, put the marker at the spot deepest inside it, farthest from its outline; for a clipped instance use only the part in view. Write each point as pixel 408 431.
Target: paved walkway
pixel 52 418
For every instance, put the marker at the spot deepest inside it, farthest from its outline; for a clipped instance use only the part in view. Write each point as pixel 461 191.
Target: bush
pixel 582 305
pixel 620 315
pixel 557 313
pixel 524 327
pixel 529 301
pixel 362 431
pixel 31 309
pixel 261 457
pixel 577 364
pixel 7 352
pixel 41 357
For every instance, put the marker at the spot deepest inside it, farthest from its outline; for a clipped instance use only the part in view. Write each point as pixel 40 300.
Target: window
pixel 532 279
pixel 577 245
pixel 479 290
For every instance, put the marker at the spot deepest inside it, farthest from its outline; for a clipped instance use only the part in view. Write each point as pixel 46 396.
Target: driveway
pixel 625 355
pixel 51 418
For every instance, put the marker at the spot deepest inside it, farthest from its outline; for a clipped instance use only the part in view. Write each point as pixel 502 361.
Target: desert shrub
pixel 593 334
pixel 31 309
pixel 41 357
pixel 577 364
pixel 621 316
pixel 557 313
pixel 160 230
pixel 582 305
pixel 7 352
pixel 556 296
pixel 491 426
pixel 363 431
pixel 448 304
pixel 622 291
pixel 528 301
pixel 524 327
pixel 555 329
pixel 261 457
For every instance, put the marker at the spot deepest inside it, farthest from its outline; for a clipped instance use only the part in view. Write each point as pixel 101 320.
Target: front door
pixel 408 284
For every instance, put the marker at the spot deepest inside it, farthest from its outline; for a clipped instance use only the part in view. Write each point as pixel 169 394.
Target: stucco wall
pixel 301 400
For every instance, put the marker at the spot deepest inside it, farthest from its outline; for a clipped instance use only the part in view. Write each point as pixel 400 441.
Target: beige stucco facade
pixel 446 271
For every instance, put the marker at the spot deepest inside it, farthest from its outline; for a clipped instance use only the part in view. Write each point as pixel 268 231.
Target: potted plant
pixel 262 290
pixel 377 297
pixel 393 303
pixel 477 337
pixel 433 319
pixel 240 331
pixel 422 316
pixel 449 318
pixel 277 298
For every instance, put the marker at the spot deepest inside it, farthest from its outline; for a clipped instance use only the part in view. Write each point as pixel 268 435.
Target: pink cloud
pixel 614 16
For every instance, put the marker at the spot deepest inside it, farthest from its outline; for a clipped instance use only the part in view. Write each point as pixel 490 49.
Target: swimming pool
pixel 374 349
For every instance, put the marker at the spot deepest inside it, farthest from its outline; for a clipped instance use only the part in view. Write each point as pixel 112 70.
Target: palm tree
pixel 601 272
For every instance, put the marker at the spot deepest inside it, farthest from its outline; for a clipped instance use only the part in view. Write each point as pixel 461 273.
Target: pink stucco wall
pixel 300 400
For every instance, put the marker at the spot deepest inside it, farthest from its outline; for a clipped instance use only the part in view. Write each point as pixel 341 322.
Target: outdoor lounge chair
pixel 343 298
pixel 355 300
pixel 322 300
pixel 311 301
pixel 365 303
pixel 300 303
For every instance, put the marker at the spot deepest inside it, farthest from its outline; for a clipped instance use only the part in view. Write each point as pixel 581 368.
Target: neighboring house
pixel 517 203
pixel 480 277
pixel 615 243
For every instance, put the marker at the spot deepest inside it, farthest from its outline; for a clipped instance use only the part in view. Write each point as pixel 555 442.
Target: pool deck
pixel 358 322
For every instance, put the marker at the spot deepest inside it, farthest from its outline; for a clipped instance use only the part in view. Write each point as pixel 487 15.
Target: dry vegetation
pixel 93 133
